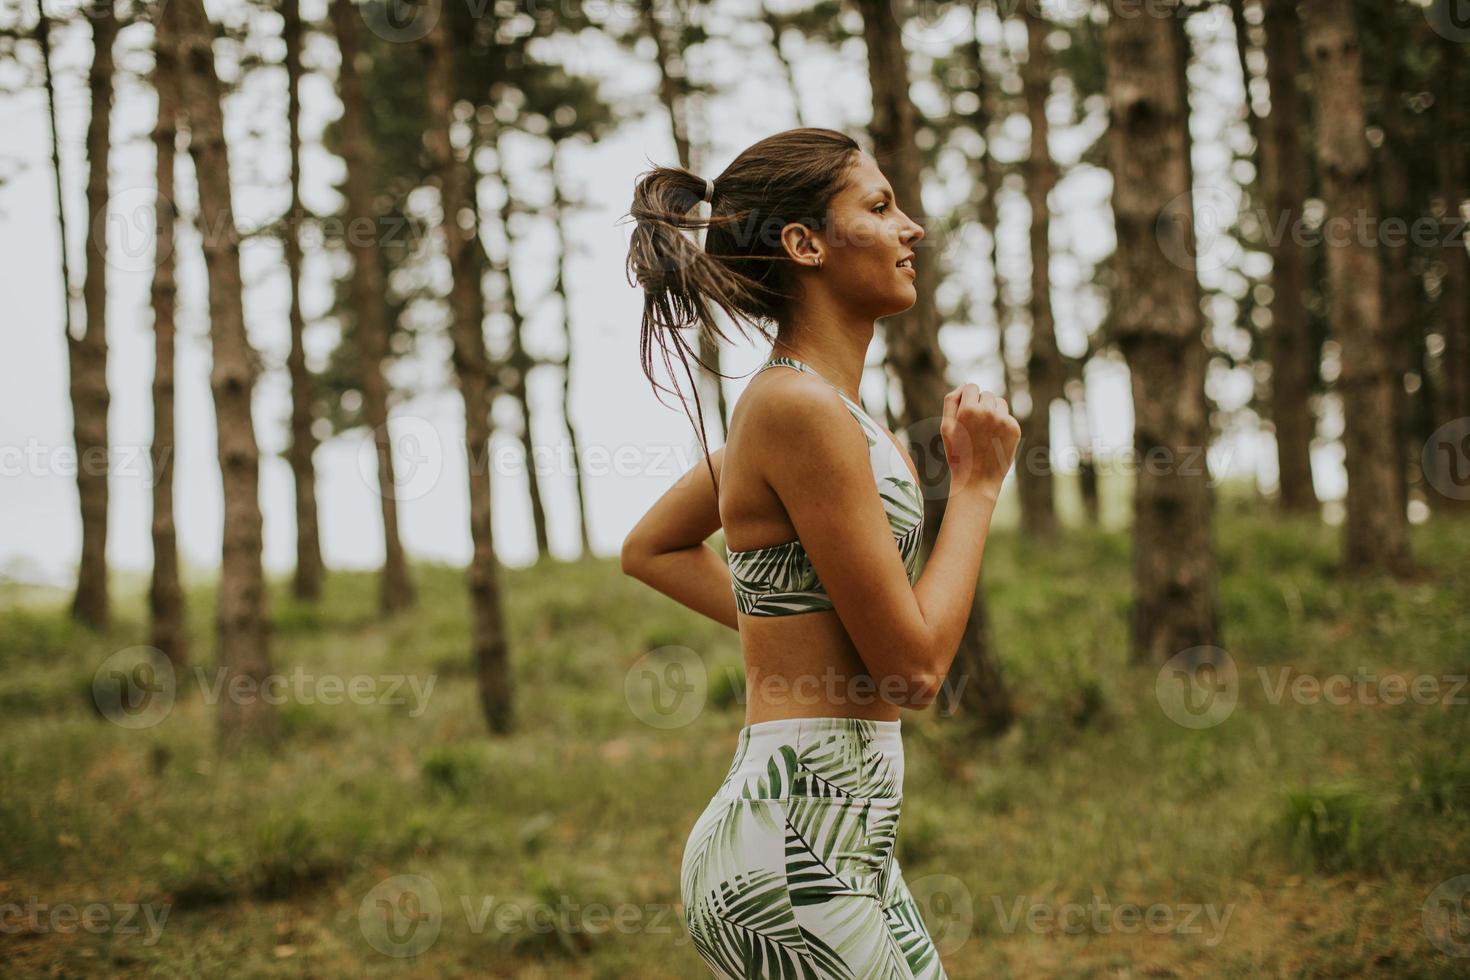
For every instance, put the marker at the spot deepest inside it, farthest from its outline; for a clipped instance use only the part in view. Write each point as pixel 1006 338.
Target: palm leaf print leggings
pixel 791 872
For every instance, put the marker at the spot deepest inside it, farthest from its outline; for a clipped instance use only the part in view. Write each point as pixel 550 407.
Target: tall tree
pixel 1400 285
pixel 1376 528
pixel 776 24
pixel 241 619
pixel 561 205
pixel 43 41
pixel 516 368
pixel 1159 328
pixel 1454 296
pixel 307 582
pixel 1045 372
pixel 987 108
pixel 166 623
pixel 974 686
pixel 1284 185
pixel 88 355
pixel 395 589
pixel 490 644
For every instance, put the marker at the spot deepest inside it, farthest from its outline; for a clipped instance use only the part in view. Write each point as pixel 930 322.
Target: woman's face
pixel 867 248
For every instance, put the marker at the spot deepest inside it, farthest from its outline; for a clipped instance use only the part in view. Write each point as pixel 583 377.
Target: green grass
pixel 1299 837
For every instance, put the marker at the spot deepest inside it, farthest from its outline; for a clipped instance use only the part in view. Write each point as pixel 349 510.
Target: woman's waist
pixel 816 757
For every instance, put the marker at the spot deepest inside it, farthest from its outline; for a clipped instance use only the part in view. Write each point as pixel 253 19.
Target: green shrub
pixel 1333 828
pixel 1440 784
pixel 453 770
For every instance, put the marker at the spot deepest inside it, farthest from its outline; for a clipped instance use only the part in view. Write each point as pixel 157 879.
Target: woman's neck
pixel 837 356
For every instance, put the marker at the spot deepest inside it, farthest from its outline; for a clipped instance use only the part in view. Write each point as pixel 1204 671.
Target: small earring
pixel 819 261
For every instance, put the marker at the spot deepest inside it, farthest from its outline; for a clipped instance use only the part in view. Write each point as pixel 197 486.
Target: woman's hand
pixel 980 437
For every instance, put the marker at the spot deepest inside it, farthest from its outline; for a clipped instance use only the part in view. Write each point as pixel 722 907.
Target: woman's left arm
pixel 667 550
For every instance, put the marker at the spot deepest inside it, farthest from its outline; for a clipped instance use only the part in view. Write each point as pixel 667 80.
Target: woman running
pixel 790 871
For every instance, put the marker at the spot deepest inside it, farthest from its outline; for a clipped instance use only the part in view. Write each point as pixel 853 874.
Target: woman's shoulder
pixel 782 412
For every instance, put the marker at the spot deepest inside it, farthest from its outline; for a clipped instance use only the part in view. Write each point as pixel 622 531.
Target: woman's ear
pixel 802 245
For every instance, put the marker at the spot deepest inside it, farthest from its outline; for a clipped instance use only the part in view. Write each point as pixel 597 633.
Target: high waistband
pixel 816 757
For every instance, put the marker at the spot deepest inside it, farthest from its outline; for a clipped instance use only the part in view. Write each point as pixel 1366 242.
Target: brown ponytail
pixel 790 176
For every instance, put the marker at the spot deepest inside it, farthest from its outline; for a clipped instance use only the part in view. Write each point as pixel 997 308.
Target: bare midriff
pixel 806 666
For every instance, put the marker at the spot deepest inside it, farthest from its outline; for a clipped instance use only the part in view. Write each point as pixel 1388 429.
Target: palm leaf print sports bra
pixel 779 580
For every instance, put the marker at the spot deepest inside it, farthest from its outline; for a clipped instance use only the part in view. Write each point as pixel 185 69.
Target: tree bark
pixel 241 617
pixel 1159 328
pixel 1376 528
pixel 1284 184
pixel 491 649
pixel 975 688
pixel 310 570
pixel 1400 286
pixel 776 26
pixel 1455 291
pixel 1045 373
pixel 395 587
pixel 563 252
pixel 519 364
pixel 166 623
pixel 88 360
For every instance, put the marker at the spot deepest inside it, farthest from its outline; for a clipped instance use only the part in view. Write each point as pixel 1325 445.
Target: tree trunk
pixel 1284 183
pixel 166 623
pixel 1400 286
pixel 491 649
pixel 89 394
pixel 1081 430
pixel 563 252
pixel 307 583
pixel 241 618
pixel 1455 290
pixel 976 688
pixel 776 26
pixel 395 588
pixel 988 177
pixel 1376 528
pixel 519 365
pixel 1045 373
pixel 1159 328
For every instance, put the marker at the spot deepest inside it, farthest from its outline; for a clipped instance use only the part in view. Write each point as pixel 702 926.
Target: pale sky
pixel 633 447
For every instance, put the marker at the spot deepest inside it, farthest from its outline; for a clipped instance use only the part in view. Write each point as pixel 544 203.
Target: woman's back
pixel 799 657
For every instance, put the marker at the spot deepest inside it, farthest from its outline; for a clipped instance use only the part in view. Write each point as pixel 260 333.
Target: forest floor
pixel 1313 820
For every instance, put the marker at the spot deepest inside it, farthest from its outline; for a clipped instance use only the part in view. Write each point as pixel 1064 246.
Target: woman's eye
pixel 884 206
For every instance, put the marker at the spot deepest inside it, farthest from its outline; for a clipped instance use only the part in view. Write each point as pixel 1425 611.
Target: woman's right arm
pixel 817 463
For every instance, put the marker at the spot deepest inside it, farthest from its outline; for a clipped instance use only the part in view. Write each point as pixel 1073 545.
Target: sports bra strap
pixel 803 366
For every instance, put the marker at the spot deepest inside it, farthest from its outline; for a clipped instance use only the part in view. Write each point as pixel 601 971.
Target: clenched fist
pixel 980 437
